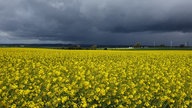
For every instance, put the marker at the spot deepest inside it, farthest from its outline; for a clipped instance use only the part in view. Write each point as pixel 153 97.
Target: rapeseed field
pixel 38 78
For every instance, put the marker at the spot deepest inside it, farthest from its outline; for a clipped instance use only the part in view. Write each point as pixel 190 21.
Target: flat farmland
pixel 31 77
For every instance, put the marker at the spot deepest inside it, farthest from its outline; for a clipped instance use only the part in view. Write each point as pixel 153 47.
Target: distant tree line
pixel 139 45
pixel 78 47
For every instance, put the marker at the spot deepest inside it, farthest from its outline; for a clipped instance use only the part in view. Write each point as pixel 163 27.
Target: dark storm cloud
pixel 95 21
pixel 148 16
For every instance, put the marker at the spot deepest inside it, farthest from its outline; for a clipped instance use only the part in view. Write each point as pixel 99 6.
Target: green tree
pixel 137 45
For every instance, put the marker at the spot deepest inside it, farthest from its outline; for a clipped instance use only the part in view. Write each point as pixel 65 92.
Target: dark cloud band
pixel 101 21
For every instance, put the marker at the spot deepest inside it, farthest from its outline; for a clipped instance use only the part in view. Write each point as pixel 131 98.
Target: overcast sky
pixel 96 21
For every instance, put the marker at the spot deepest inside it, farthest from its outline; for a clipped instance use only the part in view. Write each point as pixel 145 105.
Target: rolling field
pixel 49 78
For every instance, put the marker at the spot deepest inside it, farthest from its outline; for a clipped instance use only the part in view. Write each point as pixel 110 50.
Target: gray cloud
pixel 98 21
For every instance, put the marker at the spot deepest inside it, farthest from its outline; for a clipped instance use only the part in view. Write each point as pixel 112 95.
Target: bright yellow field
pixel 65 78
